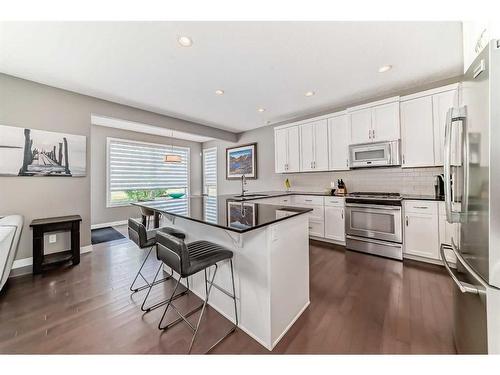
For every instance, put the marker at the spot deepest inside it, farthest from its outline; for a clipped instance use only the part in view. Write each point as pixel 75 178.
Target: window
pixel 136 171
pixel 210 183
pixel 210 171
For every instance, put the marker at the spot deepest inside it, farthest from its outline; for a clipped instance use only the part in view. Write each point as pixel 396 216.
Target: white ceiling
pixel 257 64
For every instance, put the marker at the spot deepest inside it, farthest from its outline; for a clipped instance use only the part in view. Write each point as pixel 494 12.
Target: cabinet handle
pixel 307 200
pixel 373 133
pixel 369 134
pixel 347 162
pixel 422 207
pixel 342 213
pixel 403 158
pixel 406 220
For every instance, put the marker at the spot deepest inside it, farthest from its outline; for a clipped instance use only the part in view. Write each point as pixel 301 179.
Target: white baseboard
pixel 110 224
pixel 19 263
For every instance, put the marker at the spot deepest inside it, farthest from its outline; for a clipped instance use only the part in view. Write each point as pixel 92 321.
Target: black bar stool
pixel 146 239
pixel 186 260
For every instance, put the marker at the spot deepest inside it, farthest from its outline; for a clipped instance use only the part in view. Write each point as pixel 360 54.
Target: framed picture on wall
pixel 241 160
pixel 33 152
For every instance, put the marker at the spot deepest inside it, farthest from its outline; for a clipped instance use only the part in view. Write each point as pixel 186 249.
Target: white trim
pixel 312 119
pixel 392 99
pixel 291 324
pixel 19 263
pixel 108 192
pixel 110 224
pixel 116 123
pixel 426 260
pixel 437 90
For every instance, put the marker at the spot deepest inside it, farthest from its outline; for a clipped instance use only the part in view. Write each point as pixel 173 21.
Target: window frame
pixel 205 191
pixel 109 204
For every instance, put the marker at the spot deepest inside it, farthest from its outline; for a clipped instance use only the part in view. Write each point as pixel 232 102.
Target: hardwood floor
pixel 359 304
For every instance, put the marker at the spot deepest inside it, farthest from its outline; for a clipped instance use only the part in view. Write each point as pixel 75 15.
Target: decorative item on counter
pixel 287 185
pixel 341 189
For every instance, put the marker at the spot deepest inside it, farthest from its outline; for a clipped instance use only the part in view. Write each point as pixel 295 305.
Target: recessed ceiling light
pixel 219 92
pixel 261 110
pixel 185 41
pixel 309 93
pixel 384 68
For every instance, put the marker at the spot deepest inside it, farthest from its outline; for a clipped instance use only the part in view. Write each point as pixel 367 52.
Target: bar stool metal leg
pixel 203 308
pixel 159 304
pixel 139 273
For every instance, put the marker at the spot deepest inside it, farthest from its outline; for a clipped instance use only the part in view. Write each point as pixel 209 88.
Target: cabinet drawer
pixel 421 207
pixel 286 200
pixel 316 228
pixel 308 200
pixel 334 201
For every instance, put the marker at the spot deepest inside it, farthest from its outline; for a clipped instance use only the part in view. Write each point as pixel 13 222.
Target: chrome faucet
pixel 243 183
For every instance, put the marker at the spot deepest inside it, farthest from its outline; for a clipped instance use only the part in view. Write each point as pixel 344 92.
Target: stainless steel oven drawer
pixel 375 247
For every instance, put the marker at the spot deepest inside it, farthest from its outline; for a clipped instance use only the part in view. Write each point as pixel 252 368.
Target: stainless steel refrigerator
pixel 472 197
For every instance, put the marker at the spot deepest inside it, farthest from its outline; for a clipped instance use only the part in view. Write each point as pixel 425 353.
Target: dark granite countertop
pixel 422 197
pixel 224 211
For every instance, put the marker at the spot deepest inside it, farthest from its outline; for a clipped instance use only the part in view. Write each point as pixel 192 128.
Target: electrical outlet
pixel 52 238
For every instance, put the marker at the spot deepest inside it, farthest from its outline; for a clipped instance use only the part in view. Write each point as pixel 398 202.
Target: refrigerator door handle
pixel 462 286
pixel 455 115
pixel 447 166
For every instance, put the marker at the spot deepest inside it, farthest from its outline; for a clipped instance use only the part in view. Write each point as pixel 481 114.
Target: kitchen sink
pixel 251 195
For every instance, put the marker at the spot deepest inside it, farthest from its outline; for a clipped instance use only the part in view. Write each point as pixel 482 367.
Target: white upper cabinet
pixel 476 35
pixel 385 122
pixel 361 126
pixel 338 143
pixel 417 132
pixel 375 122
pixel 286 149
pixel 306 147
pixel 441 103
pixel 280 150
pixel 314 146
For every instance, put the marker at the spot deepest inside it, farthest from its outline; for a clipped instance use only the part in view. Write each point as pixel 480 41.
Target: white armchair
pixel 10 232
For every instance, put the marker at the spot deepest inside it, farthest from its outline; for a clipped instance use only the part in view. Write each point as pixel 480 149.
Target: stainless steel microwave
pixel 376 154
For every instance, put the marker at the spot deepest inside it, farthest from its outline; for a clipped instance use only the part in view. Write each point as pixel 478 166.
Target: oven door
pixel 374 221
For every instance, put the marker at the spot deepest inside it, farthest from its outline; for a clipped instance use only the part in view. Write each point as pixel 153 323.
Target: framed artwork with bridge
pixel 33 152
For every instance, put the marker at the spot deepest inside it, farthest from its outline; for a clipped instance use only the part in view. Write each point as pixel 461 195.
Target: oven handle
pixel 375 206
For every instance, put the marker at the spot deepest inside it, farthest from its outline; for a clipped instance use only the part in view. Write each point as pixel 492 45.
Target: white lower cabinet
pixel 425 229
pixel 334 223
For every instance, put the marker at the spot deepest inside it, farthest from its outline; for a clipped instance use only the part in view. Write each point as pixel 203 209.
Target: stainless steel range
pixel 374 224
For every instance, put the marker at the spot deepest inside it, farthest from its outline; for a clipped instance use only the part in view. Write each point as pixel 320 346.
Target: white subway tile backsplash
pixel 398 180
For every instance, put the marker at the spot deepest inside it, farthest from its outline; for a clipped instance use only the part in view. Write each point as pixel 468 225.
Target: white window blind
pixel 210 171
pixel 210 183
pixel 137 170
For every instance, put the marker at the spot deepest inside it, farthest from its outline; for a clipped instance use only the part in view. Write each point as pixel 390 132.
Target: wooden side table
pixel 62 223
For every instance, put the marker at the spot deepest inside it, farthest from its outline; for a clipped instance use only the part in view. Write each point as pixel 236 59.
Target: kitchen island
pixel 271 258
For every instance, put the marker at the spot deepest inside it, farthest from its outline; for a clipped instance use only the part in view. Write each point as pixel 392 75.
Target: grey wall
pixel 99 212
pixel 29 104
pixel 405 181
